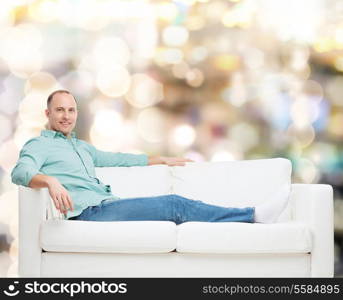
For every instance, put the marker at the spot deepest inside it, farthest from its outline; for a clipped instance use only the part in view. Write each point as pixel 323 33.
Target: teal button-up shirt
pixel 72 162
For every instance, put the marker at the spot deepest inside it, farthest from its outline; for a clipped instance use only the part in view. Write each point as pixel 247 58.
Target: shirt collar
pixel 52 133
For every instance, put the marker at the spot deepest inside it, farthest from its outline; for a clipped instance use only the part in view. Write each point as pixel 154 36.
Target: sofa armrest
pixel 313 205
pixel 35 206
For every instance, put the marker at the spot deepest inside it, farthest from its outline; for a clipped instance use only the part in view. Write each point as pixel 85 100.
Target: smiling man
pixel 64 164
pixel 62 113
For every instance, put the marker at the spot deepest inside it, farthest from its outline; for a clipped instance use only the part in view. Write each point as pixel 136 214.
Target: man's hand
pixel 60 196
pixel 175 161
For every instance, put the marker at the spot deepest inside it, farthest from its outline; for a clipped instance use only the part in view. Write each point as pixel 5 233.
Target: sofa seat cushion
pixel 108 237
pixel 236 237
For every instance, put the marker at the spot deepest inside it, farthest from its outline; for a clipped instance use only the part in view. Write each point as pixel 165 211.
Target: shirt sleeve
pixel 31 159
pixel 116 159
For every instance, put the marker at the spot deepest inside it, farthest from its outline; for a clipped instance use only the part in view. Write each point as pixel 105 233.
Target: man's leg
pixel 164 208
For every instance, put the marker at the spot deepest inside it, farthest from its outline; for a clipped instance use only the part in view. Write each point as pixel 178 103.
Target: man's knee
pixel 176 197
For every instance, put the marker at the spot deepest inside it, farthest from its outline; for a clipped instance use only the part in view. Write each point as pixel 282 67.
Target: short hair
pixel 51 96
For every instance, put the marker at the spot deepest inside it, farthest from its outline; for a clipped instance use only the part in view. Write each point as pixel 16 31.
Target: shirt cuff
pixel 28 177
pixel 143 159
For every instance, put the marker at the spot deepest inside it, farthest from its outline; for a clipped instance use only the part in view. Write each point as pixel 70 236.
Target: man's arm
pixel 27 173
pixel 118 159
pixel 170 161
pixel 31 159
pixel 58 193
pixel 115 159
pixel 40 181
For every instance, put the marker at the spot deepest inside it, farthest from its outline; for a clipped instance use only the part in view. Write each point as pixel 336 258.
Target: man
pixel 65 165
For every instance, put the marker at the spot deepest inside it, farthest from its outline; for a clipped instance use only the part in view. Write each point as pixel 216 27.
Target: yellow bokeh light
pixel 175 36
pixel 151 125
pixel 31 110
pixel 324 44
pixel 113 82
pixel 94 16
pixel 13 41
pixel 224 150
pixel 239 15
pixel 107 121
pixel 106 132
pixel 6 16
pixel 227 62
pixel 338 63
pixel 335 125
pixel 195 77
pixel 307 171
pixel 111 51
pixel 334 90
pixel 302 137
pixel 195 22
pixel 144 91
pixel 165 56
pixel 304 112
pixel 43 11
pixel 40 81
pixel 25 65
pixel 166 11
pixel 183 135
pixel 339 38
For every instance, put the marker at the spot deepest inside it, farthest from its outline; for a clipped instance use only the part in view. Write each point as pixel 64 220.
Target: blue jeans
pixel 173 208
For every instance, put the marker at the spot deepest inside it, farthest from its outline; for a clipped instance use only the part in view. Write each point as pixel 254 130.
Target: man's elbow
pixel 15 176
pixel 19 177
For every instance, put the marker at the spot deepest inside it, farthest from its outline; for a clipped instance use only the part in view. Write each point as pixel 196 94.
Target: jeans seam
pixel 176 212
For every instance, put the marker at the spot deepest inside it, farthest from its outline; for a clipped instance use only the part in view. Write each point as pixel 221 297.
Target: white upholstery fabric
pixel 314 206
pixel 234 183
pixel 102 237
pixel 198 237
pixel 141 250
pixel 129 182
pixel 32 211
pixel 175 264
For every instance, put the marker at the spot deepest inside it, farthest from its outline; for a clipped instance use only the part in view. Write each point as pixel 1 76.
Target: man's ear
pixel 47 112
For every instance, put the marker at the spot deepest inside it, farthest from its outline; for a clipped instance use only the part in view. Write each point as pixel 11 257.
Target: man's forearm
pixel 170 161
pixel 41 180
pixel 155 160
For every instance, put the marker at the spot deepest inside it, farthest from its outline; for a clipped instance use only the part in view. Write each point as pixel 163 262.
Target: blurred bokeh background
pixel 209 80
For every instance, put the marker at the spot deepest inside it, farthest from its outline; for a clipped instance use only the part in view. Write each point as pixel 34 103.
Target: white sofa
pixel 299 244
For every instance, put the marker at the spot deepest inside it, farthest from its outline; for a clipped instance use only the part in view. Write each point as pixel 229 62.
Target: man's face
pixel 62 113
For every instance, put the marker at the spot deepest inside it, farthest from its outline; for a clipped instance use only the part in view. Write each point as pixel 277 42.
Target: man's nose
pixel 65 115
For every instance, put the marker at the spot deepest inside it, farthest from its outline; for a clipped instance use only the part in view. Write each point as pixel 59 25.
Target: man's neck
pixel 68 135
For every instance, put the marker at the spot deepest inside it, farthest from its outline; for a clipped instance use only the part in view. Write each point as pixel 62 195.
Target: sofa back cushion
pixel 129 182
pixel 234 183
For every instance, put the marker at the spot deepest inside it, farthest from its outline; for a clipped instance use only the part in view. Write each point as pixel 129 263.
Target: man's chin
pixel 65 132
